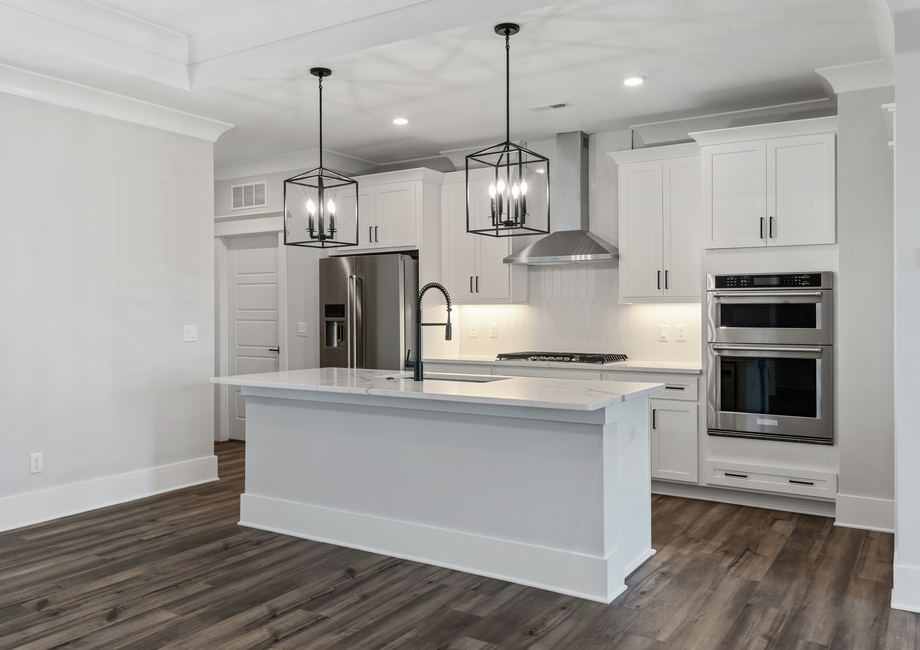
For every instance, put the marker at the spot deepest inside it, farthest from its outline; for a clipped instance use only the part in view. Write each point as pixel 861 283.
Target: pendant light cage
pixel 321 205
pixel 513 198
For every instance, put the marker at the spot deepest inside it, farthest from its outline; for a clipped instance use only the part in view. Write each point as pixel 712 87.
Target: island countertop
pixel 567 394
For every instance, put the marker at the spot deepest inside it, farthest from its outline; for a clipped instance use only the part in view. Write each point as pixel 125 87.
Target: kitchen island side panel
pixel 526 499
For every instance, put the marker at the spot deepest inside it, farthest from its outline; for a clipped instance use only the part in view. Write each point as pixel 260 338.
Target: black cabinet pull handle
pixel 792 480
pixel 761 228
pixel 735 475
pixel 653 419
pixel 771 227
pixel 376 233
pixel 659 279
pixel 665 278
pixel 370 234
pixel 477 284
pixel 274 349
pixel 674 387
pixel 471 284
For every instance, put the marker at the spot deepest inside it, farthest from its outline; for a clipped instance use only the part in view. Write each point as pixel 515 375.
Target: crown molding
pixel 294 163
pixel 764 131
pixel 903 5
pixel 42 88
pixel 858 76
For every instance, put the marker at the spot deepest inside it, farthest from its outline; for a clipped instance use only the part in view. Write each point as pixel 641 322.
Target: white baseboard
pixel 600 579
pixel 865 512
pixel 35 507
pixel 906 592
pixel 745 498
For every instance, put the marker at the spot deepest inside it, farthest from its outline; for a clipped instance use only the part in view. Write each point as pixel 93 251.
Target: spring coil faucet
pixel 418 371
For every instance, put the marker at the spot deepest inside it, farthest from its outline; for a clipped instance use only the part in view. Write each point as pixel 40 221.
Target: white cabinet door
pixel 640 201
pixel 396 208
pixel 460 251
pixel 681 227
pixel 734 182
pixel 492 281
pixel 674 440
pixel 801 187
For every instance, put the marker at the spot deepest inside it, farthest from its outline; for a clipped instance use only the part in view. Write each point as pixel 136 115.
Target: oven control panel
pixel 771 281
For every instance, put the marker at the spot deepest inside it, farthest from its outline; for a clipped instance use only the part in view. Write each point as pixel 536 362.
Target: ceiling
pixel 438 63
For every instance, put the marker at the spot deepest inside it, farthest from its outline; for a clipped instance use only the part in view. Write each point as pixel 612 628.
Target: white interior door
pixel 252 263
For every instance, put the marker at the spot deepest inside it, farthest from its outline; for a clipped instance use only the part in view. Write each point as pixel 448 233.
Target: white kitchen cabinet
pixel 674 440
pixel 659 217
pixel 473 265
pixel 391 210
pixel 769 185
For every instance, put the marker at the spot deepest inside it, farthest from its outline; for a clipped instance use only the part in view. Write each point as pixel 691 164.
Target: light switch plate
pixel 191 333
pixel 493 330
pixel 472 330
pixel 662 333
pixel 301 329
pixel 680 334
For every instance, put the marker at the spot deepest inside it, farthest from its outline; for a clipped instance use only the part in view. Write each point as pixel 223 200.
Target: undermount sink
pixel 444 376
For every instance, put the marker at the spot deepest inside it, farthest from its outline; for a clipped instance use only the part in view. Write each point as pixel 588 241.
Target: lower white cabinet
pixel 809 482
pixel 674 440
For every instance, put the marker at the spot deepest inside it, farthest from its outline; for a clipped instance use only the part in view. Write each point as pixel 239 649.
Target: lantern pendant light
pixel 321 205
pixel 518 189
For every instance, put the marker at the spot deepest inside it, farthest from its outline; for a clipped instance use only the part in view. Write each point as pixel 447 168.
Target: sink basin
pixel 444 376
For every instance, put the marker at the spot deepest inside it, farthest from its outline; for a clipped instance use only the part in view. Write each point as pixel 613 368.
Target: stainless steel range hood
pixel 571 242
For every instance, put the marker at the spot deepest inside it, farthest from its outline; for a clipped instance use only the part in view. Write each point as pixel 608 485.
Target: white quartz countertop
pixel 616 366
pixel 572 394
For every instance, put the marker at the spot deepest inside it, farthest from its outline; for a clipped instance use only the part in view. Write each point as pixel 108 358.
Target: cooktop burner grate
pixel 569 357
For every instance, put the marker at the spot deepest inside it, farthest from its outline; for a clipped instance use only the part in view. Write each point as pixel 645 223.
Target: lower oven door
pixel 771 391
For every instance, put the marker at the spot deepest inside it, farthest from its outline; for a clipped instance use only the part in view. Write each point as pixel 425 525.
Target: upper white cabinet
pixel 769 184
pixel 392 211
pixel 659 218
pixel 472 265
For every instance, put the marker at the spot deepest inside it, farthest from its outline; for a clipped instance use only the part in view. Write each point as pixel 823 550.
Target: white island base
pixel 543 493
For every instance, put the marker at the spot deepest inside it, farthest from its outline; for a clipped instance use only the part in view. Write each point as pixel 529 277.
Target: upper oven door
pixel 783 317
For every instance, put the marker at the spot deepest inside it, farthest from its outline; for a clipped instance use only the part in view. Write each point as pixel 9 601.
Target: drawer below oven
pixel 784 480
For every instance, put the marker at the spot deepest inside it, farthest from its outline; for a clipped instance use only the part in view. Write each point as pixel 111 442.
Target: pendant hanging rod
pixel 507 30
pixel 321 72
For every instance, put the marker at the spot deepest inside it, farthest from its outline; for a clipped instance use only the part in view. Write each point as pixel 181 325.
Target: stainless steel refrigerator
pixel 367 311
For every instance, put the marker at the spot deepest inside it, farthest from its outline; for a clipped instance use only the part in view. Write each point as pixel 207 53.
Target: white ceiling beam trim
pixel 29 85
pixel 399 25
pixel 38 31
pixel 109 24
pixel 858 76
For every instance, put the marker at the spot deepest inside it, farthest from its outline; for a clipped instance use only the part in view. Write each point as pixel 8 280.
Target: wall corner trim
pixel 906 592
pixel 44 505
pixel 858 76
pixel 38 87
pixel 867 513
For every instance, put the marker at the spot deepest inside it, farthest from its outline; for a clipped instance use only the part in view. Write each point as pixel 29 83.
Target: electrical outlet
pixel 681 333
pixel 493 330
pixel 472 330
pixel 631 432
pixel 191 333
pixel 662 333
pixel 301 329
pixel 35 463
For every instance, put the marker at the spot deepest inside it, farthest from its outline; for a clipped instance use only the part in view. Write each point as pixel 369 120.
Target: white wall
pixel 906 593
pixel 865 306
pixel 106 253
pixel 575 307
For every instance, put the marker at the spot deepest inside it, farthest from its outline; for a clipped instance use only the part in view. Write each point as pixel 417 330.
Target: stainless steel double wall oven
pixel 770 371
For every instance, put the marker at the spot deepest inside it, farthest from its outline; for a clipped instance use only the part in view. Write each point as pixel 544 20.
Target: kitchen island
pixel 543 482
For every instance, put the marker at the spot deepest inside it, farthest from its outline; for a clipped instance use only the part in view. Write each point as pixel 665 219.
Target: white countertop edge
pixel 675 367
pixel 401 388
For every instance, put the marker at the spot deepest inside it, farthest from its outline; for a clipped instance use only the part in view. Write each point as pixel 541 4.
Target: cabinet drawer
pixel 682 387
pixel 802 482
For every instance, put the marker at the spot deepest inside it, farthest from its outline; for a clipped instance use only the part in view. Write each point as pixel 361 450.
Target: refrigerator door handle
pixel 350 323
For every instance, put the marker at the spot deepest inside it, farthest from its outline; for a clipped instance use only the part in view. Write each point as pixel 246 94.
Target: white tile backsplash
pixel 574 308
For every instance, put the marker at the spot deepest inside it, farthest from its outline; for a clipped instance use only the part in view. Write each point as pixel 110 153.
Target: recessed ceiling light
pixel 400 120
pixel 633 80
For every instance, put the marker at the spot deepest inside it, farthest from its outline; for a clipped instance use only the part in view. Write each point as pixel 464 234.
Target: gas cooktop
pixel 569 357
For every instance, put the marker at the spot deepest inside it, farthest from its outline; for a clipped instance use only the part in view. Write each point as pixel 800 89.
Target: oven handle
pixel 765 294
pixel 764 348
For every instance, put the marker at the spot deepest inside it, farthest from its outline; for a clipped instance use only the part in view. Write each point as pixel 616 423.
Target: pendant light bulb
pixel 515 191
pixel 501 186
pixel 311 207
pixel 523 187
pixel 492 190
pixel 330 207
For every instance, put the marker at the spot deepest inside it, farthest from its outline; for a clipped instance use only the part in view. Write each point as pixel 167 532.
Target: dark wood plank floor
pixel 176 572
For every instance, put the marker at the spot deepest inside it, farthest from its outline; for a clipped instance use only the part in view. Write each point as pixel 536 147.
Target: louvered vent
pixel 549 107
pixel 248 196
